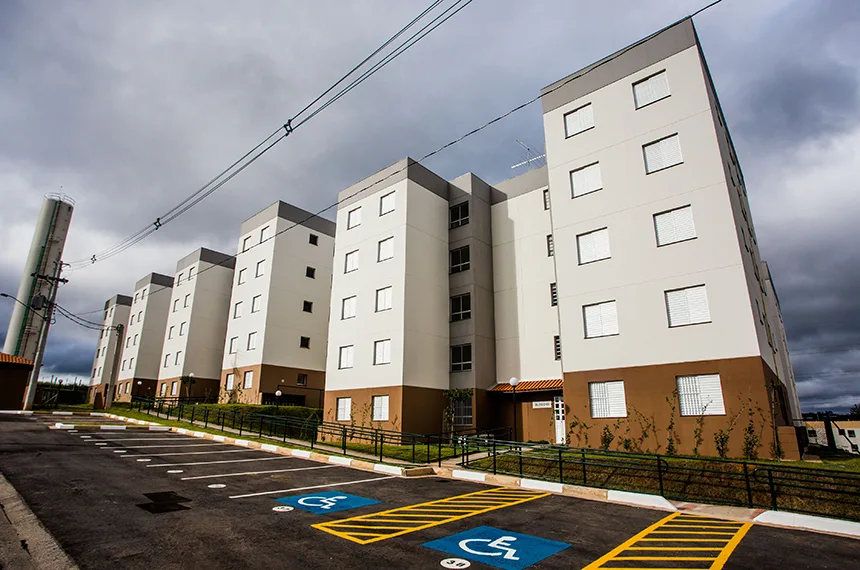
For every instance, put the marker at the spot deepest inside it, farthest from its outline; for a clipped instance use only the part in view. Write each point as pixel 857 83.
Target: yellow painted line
pixel 670 554
pixel 501 498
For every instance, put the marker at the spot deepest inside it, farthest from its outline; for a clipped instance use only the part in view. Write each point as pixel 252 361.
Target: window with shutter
pixel 553 294
pixel 579 120
pixel 385 249
pixel 600 319
pixel 345 357
pixel 344 409
pixel 382 352
pixel 585 180
pixel 351 261
pixel 700 395
pixel 353 218
pixel 348 308
pixel 651 89
pixel 662 154
pixel 550 247
pixel 556 340
pixel 607 399
pixel 386 204
pixel 674 226
pixel 688 306
pixel 593 246
pixel 380 408
pixel 546 202
pixel 384 298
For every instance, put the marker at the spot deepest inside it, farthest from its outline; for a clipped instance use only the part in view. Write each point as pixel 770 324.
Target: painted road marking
pixel 365 529
pixel 154 454
pixel 257 472
pixel 279 491
pixel 498 548
pixel 327 502
pixel 677 539
pixel 138 439
pixel 172 446
pixel 219 462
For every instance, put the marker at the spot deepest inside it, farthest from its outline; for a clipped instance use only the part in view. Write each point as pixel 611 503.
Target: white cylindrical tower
pixel 46 252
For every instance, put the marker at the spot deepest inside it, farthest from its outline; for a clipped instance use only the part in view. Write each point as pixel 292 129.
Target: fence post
pixel 413 449
pixel 221 414
pixel 660 474
pixel 520 455
pixel 381 445
pixel 261 427
pixel 439 450
pixel 314 436
pixel 584 469
pixel 560 466
pixel 772 489
pixel 427 439
pixel 206 418
pixel 193 408
pixel 749 489
pixel 241 422
pixel 464 460
pixel 494 456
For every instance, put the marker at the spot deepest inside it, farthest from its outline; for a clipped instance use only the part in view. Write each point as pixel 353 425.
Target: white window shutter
pixel 663 153
pixel 659 86
pixel 616 399
pixel 578 121
pixel 609 318
pixel 652 89
pixel 599 401
pixel 585 244
pixel 711 395
pixel 586 180
pixel 592 321
pixel 653 157
pixel 679 312
pixel 688 306
pixel 697 301
pixel 601 244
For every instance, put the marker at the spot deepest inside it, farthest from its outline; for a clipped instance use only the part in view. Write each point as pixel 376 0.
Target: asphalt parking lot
pixel 153 499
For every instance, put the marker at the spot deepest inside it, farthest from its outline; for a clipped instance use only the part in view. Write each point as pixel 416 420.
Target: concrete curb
pixel 640 500
pixel 809 522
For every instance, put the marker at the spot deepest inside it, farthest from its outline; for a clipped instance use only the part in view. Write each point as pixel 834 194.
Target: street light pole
pixel 514 381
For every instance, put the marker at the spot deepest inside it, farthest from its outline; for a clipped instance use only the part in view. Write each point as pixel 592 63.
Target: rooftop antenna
pixel 533 159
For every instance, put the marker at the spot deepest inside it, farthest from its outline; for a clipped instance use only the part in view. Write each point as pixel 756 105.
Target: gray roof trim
pixel 522 184
pixel 155 279
pixel 291 213
pixel 118 300
pixel 660 45
pixel 404 169
pixel 208 256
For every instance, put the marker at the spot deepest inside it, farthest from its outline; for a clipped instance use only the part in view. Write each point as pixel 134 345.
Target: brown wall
pixel 532 424
pixel 269 379
pixel 410 409
pixel 202 388
pixel 13 384
pixel 648 387
pixel 147 389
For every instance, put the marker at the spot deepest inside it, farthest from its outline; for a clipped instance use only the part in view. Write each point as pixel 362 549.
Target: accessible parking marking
pixel 365 529
pixel 682 540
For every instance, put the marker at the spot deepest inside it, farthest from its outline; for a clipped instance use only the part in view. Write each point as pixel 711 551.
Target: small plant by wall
pixel 453 396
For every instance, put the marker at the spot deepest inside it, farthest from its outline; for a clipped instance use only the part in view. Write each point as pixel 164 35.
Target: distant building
pixel 116 313
pixel 278 323
pixel 193 344
pixel 845 433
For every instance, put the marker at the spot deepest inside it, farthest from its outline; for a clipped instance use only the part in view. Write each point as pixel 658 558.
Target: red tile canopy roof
pixel 530 386
pixel 11 359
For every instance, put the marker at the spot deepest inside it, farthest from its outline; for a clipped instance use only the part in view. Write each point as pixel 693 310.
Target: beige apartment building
pixel 116 313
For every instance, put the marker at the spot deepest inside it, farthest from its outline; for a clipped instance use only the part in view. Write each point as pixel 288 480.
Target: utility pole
pixel 108 400
pixel 36 303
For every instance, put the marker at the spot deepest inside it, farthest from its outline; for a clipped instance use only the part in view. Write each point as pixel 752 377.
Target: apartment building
pixel 277 327
pixel 193 346
pixel 116 313
pixel 141 351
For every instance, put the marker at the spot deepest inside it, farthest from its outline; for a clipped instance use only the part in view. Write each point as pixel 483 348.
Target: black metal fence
pixel 751 484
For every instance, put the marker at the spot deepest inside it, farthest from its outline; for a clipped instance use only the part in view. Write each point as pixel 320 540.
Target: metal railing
pixel 752 484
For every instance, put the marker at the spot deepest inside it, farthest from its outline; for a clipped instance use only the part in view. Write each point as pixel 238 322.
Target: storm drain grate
pixel 164 502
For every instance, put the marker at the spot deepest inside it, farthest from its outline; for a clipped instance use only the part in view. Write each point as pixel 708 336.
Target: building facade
pixel 193 346
pixel 116 313
pixel 277 326
pixel 144 338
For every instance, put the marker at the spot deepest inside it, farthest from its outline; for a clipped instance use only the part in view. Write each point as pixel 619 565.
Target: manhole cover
pixel 455 563
pixel 282 509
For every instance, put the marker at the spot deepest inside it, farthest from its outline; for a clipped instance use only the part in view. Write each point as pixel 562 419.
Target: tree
pixel 188 381
pixel 855 410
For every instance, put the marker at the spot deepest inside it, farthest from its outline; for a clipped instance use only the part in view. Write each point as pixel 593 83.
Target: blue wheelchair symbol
pixel 498 548
pixel 327 502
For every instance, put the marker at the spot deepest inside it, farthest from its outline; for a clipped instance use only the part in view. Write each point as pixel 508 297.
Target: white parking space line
pixel 140 439
pixel 257 472
pixel 309 488
pixel 173 446
pixel 194 453
pixel 217 462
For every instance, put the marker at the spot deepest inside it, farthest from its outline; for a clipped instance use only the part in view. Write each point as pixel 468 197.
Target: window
pixel 579 120
pixel 169 333
pixel 233 342
pixel 241 279
pixel 231 381
pixel 255 303
pixel 459 214
pixel 130 363
pixel 607 399
pixel 175 305
pixel 687 306
pixel 851 433
pixel 140 316
pixel 313 239
pixel 351 262
pixel 301 379
pixel 264 234
pixel 585 180
pixel 461 358
pixel 651 89
pixel 311 272
pixel 179 279
pixel 353 218
pixel 164 389
pixel 386 204
pixel 305 342
pixel 550 247
pixel 463 412
pixel 460 259
pixel 237 310
pixel 385 249
pixel 174 388
pixel 128 342
pixel 187 300
pixel 553 294
pixel 248 380
pixel 556 342
pixel 131 321
pixel 662 154
pixel 344 409
pixel 246 243
pixel 811 433
pixel 190 276
pixel 134 343
pixel 700 395
pixel 675 225
pixel 123 367
pixel 461 307
pixel 344 357
pixel 840 431
pixel 307 306
pixel 178 357
pixel 382 352
pixel 601 319
pixel 252 341
pixel 136 296
pixel 100 370
pixel 182 328
pixel 546 199
pixel 261 267
pixel 593 246
pixel 380 408
pixel 347 307
pixel 166 359
pixel 94 372
pixel 383 299
pixel 143 292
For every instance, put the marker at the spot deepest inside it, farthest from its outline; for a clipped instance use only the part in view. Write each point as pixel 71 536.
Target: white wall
pixel 108 343
pixel 150 317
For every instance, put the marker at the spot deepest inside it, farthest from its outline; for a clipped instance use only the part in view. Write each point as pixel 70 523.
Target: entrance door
pixel 558 415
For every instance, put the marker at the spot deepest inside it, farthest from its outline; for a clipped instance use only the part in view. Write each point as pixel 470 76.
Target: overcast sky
pixel 127 106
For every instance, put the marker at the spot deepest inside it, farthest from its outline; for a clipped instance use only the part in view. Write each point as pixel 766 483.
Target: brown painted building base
pixel 202 388
pixel 535 424
pixel 267 380
pixel 97 393
pixel 652 408
pixel 410 408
